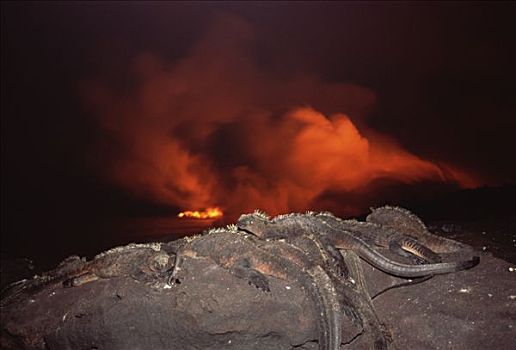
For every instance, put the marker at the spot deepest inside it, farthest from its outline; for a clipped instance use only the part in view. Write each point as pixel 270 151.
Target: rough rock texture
pixel 474 309
pixel 212 309
pixel 209 309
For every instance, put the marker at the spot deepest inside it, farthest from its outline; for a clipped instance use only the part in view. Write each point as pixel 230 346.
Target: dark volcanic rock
pixel 474 309
pixel 212 309
pixel 209 309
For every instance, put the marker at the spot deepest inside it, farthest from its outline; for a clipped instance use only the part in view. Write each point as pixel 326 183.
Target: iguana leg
pixel 80 280
pixel 172 279
pixel 242 269
pixel 410 248
pixel 175 249
pixel 338 261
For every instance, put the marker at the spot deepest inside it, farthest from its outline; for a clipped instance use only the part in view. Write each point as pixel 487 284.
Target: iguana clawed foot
pixel 243 269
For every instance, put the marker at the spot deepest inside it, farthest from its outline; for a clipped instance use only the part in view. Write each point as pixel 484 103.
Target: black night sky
pixel 441 76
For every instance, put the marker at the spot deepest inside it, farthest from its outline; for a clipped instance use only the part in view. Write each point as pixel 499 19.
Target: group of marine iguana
pixel 319 251
pixel 323 237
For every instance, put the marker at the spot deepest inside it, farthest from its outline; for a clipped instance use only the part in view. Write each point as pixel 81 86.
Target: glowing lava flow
pixel 208 213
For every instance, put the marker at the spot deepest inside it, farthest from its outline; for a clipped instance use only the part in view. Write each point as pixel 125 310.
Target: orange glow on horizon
pixel 208 213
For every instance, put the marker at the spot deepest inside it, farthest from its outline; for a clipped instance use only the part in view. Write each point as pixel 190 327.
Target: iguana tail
pixel 344 240
pixel 330 321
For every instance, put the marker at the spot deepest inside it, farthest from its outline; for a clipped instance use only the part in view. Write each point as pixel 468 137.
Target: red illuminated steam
pixel 216 129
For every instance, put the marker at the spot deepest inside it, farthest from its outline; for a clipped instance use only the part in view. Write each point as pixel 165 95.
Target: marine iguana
pixel 253 259
pixel 305 256
pixel 146 263
pixel 346 275
pixel 408 224
pixel 246 257
pixel 380 236
pixel 403 233
pixel 239 253
pixel 350 235
pixel 399 230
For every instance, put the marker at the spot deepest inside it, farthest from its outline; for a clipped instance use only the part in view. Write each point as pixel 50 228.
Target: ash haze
pixel 133 109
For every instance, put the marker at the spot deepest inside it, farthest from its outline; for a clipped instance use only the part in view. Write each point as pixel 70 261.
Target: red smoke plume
pixel 215 128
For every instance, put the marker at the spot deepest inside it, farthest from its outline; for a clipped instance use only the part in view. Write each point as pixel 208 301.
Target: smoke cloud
pixel 217 128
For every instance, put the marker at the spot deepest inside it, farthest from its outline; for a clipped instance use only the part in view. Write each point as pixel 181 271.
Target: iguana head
pixel 255 223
